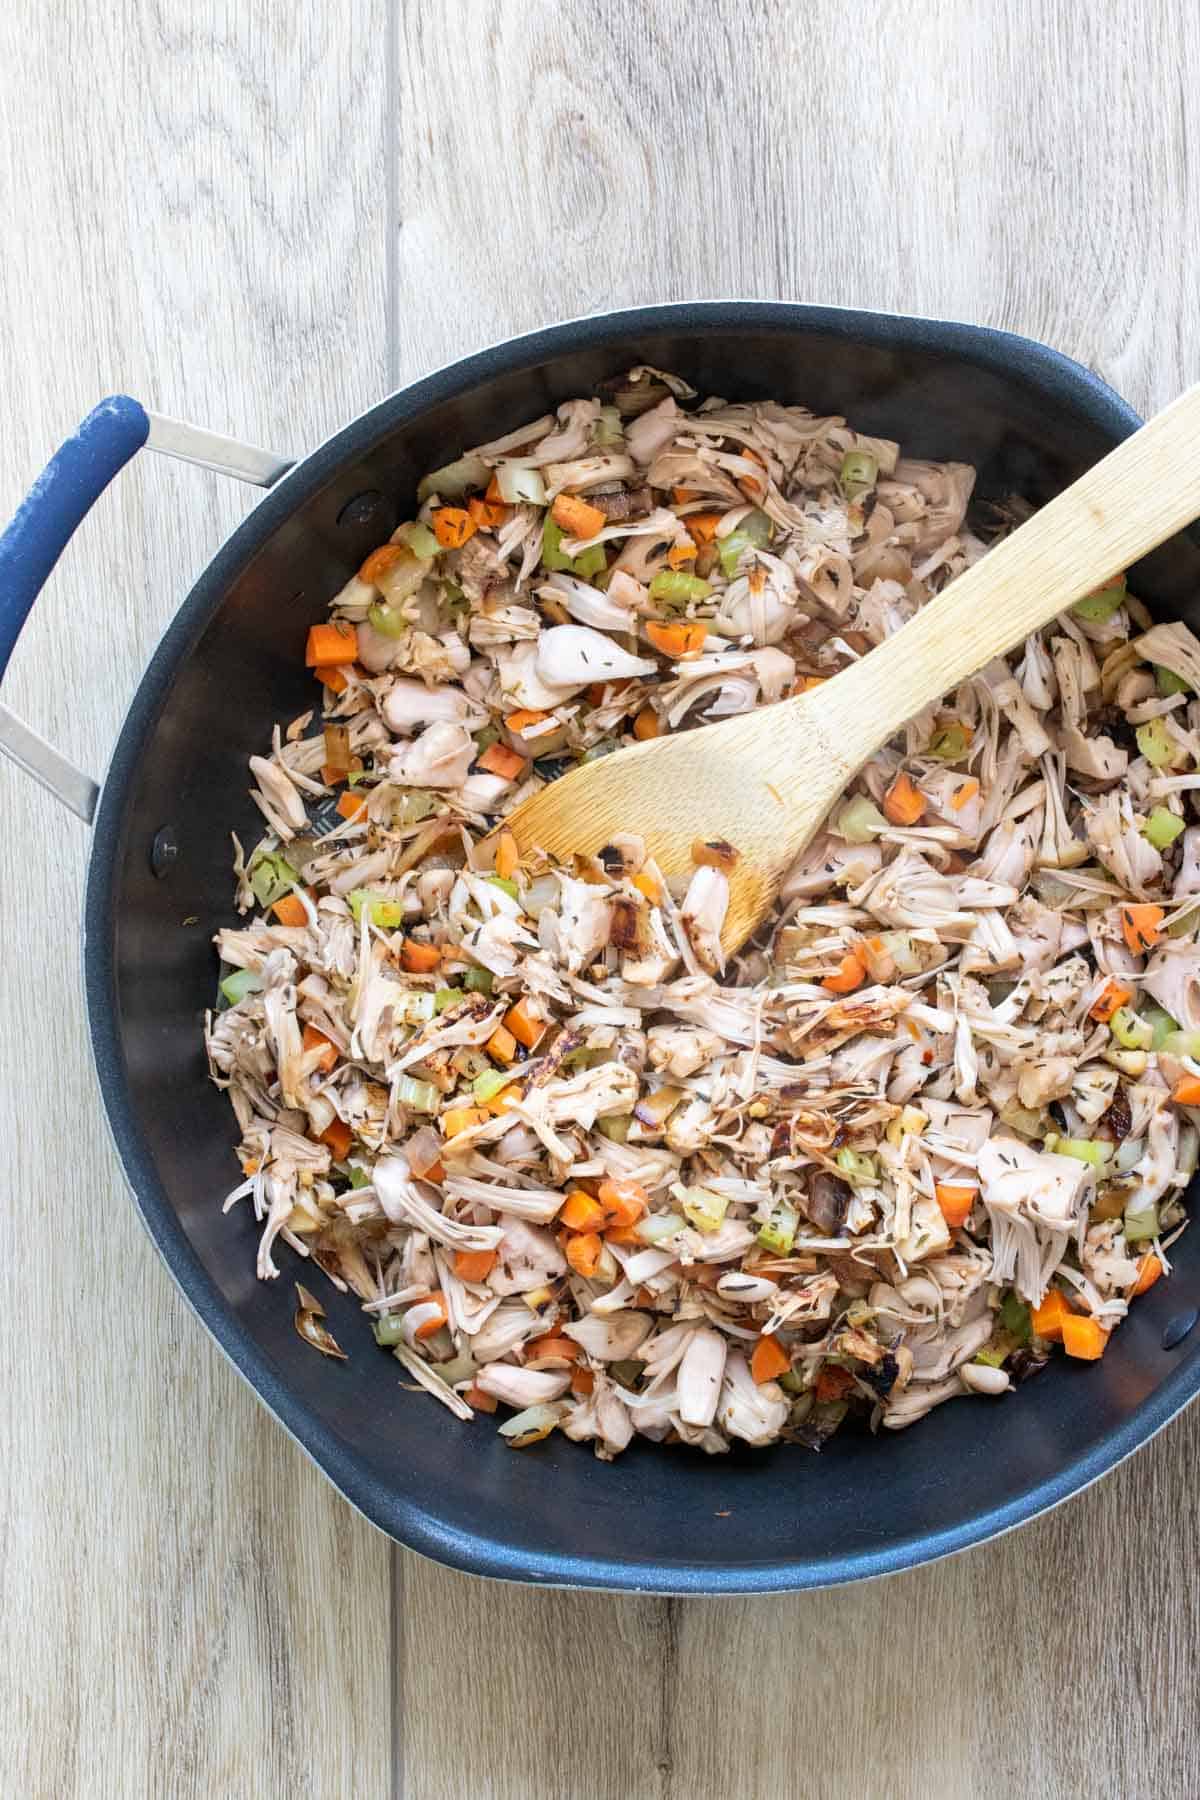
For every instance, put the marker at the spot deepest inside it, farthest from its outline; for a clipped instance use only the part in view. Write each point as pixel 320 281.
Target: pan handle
pixel 61 497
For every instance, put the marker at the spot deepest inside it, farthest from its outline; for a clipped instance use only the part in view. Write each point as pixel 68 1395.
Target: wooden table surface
pixel 262 218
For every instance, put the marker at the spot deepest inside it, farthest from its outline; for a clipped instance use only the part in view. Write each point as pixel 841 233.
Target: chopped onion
pixel 657 1226
pixel 423 1150
pixel 455 479
pixel 532 1425
pixel 519 483
pixel 1129 1153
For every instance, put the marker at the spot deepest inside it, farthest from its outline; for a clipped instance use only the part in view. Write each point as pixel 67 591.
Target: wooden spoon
pixel 764 781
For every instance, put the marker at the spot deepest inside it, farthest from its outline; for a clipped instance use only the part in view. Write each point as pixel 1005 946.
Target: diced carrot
pixel 508 857
pixel 525 1026
pixel 834 1383
pixel 250 1166
pixel 644 1297
pixel 333 777
pixel 1111 998
pixel 807 683
pixel 474 1265
pixel 623 1201
pixel 330 643
pixel 580 1212
pixel 289 910
pixel 351 805
pixel 452 526
pixel 383 559
pixel 419 959
pixel 338 1136
pixel 492 491
pixel 475 1397
pixel 682 495
pixel 770 1360
pixel 1187 1091
pixel 646 884
pixel 500 1103
pixel 551 1352
pixel 582 1382
pixel 502 1045
pixel 429 1326
pixel 461 1118
pixel 903 803
pixel 851 973
pixel 1047 1318
pixel 582 1251
pixel 962 795
pixel 316 1040
pixel 1084 1337
pixel 703 526
pixel 1149 1270
pixel 1140 925
pixel 623 1234
pixel 679 554
pixel 498 759
pixel 955 1201
pixel 436 1172
pixel 525 715
pixel 487 514
pixel 576 517
pixel 680 641
pixel 334 678
pixel 647 724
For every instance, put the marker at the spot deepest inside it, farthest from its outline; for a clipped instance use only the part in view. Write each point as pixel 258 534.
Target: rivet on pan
pixel 361 508
pixel 164 851
pixel 1178 1328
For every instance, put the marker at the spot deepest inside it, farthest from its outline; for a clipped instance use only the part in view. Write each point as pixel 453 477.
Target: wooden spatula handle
pixel 1142 492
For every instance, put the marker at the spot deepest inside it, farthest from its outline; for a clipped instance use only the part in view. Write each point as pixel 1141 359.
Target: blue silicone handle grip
pixel 67 489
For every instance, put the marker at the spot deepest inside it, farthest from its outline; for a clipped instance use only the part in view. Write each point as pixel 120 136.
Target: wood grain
pixel 260 218
pixel 189 1609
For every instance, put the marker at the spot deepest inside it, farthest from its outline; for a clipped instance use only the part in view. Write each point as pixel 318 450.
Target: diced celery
pixel 1168 682
pixel 860 820
pixel 1099 607
pixel 859 1168
pixel 478 981
pixel 506 885
pixel 859 473
pixel 386 914
pixel 420 540
pixel 389 1329
pixel 413 805
pixel 389 622
pixel 235 987
pixel 949 745
pixel 703 1209
pixel 1156 744
pixel 754 533
pixel 1160 1022
pixel 677 587
pixel 1086 1150
pixel 1162 827
pixel 552 537
pixel 445 997
pixel 1183 1043
pixel 1014 1316
pixel 271 876
pixel 590 562
pixel 779 1233
pixel 490 1083
pixel 607 430
pixel 1141 1223
pixel 991 1359
pixel 417 1096
pixel 1130 1031
pixel 615 1127
pixel 358 1176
